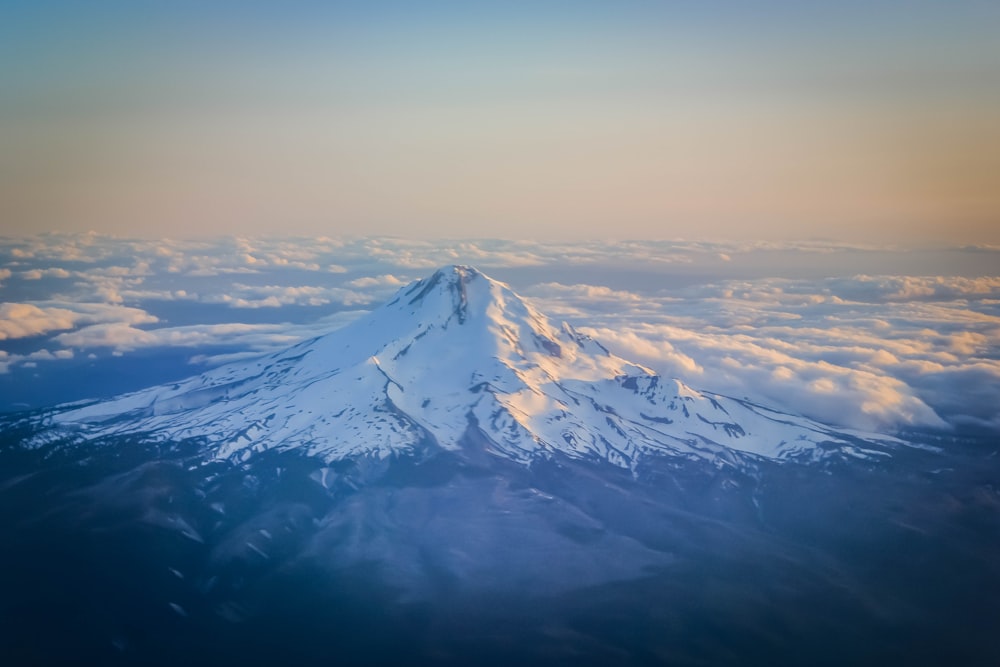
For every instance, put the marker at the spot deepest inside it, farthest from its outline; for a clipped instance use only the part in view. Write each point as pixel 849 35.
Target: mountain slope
pixel 456 361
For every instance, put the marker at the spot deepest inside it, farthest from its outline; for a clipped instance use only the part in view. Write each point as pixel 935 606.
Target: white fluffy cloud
pixel 869 353
pixel 122 337
pixel 26 320
pixel 22 320
pixel 909 288
pixel 31 360
pixel 275 296
pixel 739 365
pixel 38 274
pixel 384 280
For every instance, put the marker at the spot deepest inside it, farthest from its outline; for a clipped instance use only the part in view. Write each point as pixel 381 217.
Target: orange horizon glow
pixel 651 125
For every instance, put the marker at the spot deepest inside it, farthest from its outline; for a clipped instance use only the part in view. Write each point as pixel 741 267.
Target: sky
pixel 863 121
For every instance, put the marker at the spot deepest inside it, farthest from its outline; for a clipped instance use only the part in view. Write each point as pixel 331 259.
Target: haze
pixel 857 121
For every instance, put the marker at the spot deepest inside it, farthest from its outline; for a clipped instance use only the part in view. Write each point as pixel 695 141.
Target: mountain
pixel 455 361
pixel 454 480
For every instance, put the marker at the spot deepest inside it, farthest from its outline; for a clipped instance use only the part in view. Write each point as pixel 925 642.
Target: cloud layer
pixel 866 352
pixel 807 327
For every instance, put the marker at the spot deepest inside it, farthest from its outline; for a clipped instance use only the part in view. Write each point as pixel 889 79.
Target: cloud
pixel 915 288
pixel 38 274
pixel 122 337
pixel 47 355
pixel 275 296
pixel 62 247
pixel 245 255
pixel 31 360
pixel 134 295
pixel 22 320
pixel 250 339
pixel 117 335
pixel 867 353
pixel 740 366
pixel 384 280
pixel 588 293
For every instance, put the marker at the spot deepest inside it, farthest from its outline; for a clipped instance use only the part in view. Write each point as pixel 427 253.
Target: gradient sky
pixel 865 121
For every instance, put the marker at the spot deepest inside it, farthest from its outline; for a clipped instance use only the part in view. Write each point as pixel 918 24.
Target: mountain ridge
pixel 454 359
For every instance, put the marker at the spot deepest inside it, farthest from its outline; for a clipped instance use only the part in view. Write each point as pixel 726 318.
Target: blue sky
pixel 863 121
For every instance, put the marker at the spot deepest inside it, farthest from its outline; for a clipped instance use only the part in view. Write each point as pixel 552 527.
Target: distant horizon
pixel 759 242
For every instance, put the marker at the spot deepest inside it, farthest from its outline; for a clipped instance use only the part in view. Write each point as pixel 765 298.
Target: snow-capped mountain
pixel 457 361
pixel 431 485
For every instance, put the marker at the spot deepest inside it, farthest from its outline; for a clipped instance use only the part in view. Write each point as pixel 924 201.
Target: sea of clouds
pixel 872 338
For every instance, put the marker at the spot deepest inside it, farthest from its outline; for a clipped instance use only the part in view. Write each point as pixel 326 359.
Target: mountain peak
pixel 449 282
pixel 459 272
pixel 452 276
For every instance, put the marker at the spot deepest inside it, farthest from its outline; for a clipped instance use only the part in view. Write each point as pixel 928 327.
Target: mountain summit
pixel 455 361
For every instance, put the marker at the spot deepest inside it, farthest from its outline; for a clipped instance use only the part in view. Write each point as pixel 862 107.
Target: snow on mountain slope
pixel 459 361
